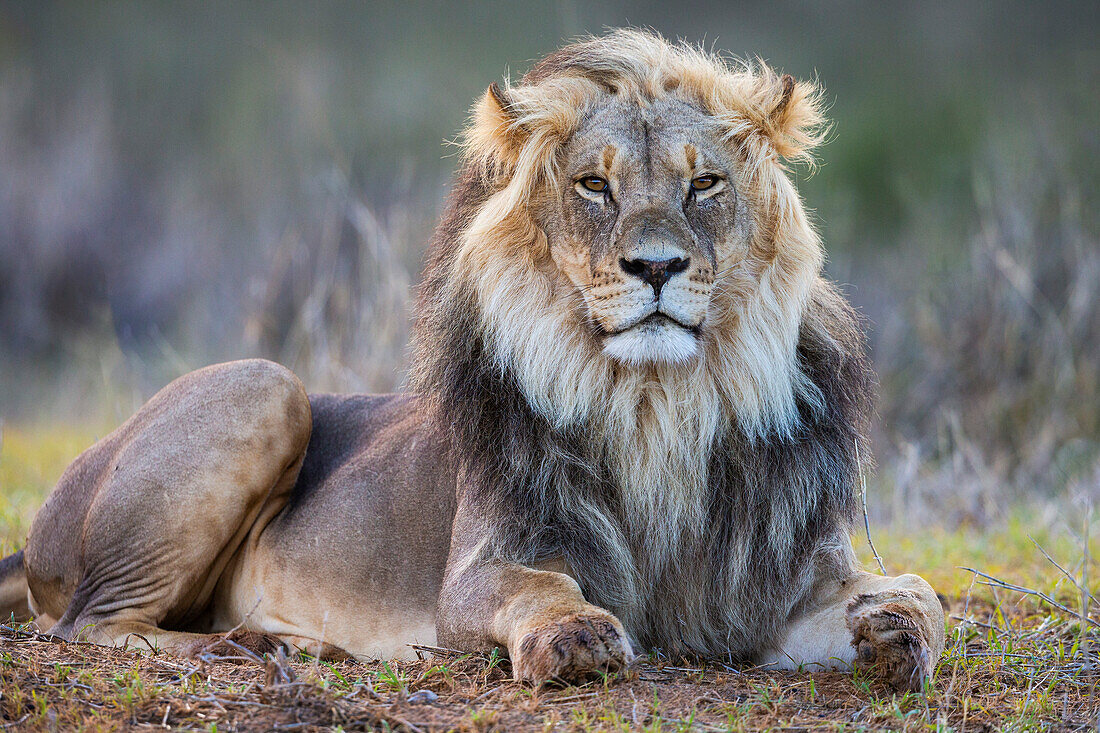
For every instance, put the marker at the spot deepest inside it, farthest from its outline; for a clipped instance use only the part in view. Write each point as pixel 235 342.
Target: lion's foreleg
pixel 539 616
pixel 891 627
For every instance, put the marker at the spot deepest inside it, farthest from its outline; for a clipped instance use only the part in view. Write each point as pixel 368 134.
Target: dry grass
pixel 1015 662
pixel 1018 670
pixel 990 361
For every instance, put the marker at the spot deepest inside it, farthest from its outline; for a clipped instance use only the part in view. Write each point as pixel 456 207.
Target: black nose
pixel 654 272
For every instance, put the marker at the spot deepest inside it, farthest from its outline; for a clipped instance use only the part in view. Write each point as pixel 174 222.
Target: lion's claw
pixel 889 634
pixel 574 648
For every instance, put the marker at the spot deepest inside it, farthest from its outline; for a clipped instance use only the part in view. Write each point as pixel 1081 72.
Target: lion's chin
pixel 656 340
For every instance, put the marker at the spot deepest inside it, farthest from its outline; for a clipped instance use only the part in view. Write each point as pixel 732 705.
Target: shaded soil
pixel 1026 670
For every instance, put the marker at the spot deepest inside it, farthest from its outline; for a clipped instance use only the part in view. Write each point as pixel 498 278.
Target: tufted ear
pixel 794 119
pixel 495 135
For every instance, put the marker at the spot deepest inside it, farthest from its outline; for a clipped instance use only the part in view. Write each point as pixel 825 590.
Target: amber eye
pixel 594 184
pixel 702 183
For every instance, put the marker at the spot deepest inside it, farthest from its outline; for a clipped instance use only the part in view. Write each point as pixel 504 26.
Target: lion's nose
pixel 654 272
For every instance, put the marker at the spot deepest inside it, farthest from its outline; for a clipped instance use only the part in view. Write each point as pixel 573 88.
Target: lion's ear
pixel 495 135
pixel 794 120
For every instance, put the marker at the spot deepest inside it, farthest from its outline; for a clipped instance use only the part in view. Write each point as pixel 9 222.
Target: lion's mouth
pixel 653 319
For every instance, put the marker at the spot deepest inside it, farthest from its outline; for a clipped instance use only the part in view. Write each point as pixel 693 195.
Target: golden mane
pixel 658 426
pixel 514 140
pixel 633 458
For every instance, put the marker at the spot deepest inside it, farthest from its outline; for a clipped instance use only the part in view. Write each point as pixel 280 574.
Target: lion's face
pixel 630 245
pixel 643 223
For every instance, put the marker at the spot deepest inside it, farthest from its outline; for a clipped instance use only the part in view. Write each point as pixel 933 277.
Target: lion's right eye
pixel 702 183
pixel 595 184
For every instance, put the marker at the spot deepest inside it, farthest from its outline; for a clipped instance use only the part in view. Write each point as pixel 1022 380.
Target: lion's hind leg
pixel 135 537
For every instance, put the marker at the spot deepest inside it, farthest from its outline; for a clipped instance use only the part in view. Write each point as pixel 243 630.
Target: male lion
pixel 635 422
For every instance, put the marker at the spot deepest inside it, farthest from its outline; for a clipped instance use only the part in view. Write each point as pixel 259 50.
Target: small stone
pixel 422 697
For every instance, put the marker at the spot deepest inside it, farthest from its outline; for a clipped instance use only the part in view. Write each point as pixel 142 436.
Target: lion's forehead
pixel 624 138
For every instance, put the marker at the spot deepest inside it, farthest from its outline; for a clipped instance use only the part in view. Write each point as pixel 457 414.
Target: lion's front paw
pixel 891 636
pixel 573 648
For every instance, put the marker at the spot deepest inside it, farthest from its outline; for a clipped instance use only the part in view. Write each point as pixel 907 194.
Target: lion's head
pixel 624 326
pixel 635 222
pixel 658 184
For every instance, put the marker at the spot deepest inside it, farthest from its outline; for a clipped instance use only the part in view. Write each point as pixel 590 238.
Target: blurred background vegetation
pixel 183 183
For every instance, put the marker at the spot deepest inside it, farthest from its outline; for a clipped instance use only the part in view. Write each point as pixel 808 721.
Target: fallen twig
pixel 998 583
pixel 1083 589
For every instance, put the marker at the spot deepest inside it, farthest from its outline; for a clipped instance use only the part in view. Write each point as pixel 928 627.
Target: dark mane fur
pixel 779 510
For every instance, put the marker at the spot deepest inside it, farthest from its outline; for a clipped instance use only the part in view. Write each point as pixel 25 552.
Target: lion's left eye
pixel 702 183
pixel 595 184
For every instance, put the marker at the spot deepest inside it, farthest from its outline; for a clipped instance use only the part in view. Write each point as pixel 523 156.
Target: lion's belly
pixel 357 557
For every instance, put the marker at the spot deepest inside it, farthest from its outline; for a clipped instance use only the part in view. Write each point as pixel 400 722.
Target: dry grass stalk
pixel 1003 669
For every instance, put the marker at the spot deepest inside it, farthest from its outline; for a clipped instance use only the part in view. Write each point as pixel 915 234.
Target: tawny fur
pixel 538 490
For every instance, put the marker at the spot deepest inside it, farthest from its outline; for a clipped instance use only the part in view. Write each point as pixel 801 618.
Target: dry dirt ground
pixel 1021 668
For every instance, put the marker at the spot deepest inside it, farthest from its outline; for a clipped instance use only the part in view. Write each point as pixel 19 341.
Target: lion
pixel 635 420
